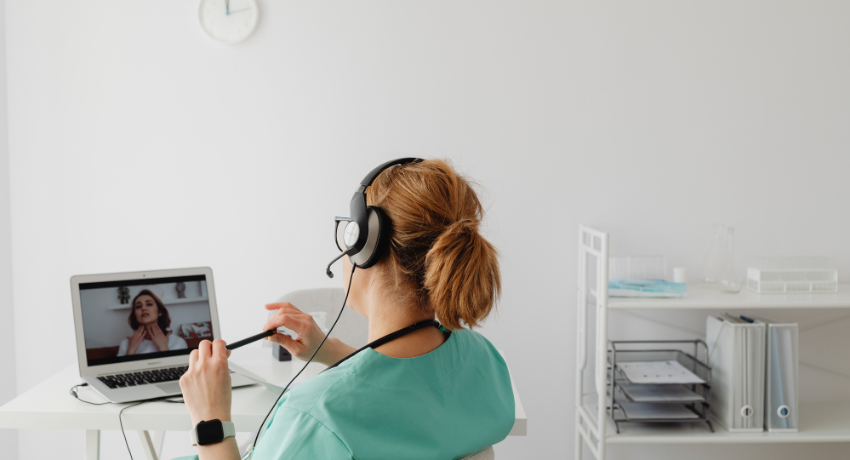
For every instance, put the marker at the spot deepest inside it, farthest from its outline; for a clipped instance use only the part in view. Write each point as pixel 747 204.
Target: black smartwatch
pixel 211 432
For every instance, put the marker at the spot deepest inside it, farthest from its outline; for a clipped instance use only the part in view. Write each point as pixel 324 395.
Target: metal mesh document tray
pixel 658 401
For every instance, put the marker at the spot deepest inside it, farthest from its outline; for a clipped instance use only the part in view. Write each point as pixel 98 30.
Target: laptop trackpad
pixel 172 388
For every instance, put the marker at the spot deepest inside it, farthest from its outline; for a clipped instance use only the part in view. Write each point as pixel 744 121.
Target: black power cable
pixel 120 421
pixel 85 384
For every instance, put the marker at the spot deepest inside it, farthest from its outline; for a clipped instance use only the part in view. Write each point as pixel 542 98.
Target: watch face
pixel 210 432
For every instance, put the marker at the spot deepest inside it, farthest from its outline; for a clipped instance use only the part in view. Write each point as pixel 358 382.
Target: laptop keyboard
pixel 131 379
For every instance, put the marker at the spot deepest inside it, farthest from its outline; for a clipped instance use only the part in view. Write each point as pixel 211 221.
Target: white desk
pixel 49 405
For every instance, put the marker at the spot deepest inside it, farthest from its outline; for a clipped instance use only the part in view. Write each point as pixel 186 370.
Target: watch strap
pixel 228 428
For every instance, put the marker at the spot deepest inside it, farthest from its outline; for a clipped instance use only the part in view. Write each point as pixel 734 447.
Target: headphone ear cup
pixel 379 227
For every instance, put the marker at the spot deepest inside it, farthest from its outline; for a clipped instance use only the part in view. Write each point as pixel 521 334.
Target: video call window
pixel 144 319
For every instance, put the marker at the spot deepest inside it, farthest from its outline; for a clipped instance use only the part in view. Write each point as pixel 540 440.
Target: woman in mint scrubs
pixel 435 393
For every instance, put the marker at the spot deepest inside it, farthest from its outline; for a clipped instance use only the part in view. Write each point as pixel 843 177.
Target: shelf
pixel 704 298
pixel 819 422
pixel 170 302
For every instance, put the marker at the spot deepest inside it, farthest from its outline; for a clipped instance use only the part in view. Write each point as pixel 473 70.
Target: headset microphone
pixel 328 270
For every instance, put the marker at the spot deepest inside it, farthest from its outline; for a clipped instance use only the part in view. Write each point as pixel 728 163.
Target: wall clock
pixel 228 21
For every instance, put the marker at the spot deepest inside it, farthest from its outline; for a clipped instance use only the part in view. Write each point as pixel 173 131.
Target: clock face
pixel 228 21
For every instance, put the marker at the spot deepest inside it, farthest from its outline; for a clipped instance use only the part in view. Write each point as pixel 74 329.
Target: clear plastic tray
pixel 637 268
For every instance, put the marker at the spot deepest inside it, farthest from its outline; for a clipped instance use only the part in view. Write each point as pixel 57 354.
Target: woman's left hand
pixel 206 385
pixel 159 339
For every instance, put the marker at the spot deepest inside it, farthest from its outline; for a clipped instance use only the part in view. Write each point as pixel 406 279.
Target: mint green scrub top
pixel 447 404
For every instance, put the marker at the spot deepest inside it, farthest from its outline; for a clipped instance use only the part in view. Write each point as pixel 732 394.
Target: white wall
pixel 136 142
pixel 8 383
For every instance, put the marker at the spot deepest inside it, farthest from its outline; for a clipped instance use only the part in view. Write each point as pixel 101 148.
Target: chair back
pixel 353 329
pixel 486 454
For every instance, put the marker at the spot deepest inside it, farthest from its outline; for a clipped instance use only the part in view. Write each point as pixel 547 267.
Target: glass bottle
pixel 714 263
pixel 729 280
pixel 719 267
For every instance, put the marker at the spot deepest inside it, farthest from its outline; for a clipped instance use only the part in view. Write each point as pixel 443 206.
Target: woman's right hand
pixel 135 340
pixel 309 335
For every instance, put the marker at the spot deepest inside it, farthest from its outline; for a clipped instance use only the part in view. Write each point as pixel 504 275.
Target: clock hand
pixel 227 7
pixel 238 11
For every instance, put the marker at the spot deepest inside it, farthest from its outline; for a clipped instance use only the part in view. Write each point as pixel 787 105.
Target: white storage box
pixel 792 275
pixel 736 354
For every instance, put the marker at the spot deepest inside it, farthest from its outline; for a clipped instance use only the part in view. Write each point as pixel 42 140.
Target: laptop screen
pixel 143 319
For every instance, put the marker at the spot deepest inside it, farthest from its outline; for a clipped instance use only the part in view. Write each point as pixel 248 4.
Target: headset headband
pixel 367 181
pixel 359 209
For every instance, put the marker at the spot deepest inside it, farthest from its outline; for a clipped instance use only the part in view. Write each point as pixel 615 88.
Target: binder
pixel 736 353
pixel 781 399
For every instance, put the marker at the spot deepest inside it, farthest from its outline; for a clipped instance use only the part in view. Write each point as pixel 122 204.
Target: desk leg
pixel 92 444
pixel 158 441
pixel 148 445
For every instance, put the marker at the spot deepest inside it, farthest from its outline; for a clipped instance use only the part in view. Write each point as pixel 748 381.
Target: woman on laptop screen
pixel 149 318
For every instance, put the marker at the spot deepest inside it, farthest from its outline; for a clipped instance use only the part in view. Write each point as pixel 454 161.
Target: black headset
pixel 365 231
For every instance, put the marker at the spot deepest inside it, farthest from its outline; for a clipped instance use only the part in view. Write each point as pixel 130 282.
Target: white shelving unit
pixel 819 422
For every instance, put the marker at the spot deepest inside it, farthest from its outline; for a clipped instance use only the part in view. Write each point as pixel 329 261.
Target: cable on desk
pixel 120 421
pixel 84 384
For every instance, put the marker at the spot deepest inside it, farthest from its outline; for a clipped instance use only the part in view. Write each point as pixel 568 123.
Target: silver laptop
pixel 135 330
